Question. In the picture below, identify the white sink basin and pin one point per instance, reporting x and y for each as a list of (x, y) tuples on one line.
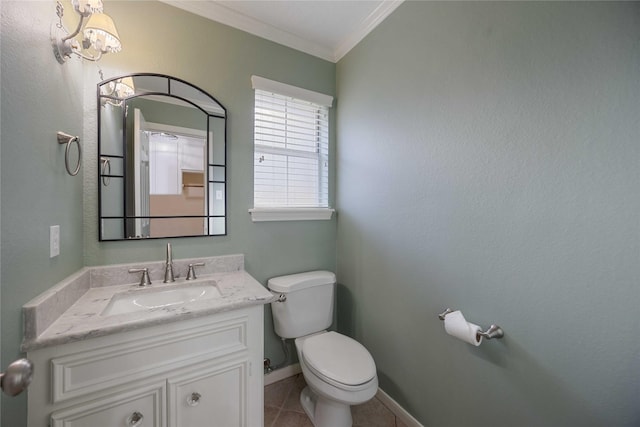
[(155, 299)]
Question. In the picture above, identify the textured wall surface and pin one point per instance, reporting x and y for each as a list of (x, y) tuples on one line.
[(40, 96), (488, 161), (220, 60)]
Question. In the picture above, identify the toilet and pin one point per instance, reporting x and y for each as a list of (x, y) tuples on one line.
[(338, 370)]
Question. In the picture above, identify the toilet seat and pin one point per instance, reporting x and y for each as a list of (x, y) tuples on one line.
[(338, 360)]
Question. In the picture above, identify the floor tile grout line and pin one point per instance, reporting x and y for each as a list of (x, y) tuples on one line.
[(292, 387), (274, 423), (284, 402), (275, 420)]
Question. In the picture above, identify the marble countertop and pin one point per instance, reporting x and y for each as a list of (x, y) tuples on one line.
[(73, 310)]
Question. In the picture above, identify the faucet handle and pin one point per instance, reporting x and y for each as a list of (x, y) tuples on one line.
[(191, 273), (144, 279)]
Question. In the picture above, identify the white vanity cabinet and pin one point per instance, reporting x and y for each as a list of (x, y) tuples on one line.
[(200, 372)]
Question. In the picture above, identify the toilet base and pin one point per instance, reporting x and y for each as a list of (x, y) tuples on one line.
[(324, 412)]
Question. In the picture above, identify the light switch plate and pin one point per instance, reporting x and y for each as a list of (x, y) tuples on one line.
[(54, 241)]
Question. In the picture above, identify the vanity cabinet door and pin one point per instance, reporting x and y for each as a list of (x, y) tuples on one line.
[(204, 372), (136, 408), (210, 396)]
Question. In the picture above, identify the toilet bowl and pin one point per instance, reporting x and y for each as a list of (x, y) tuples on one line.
[(339, 373), (338, 370)]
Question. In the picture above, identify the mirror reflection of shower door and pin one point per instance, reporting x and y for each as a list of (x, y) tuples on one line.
[(141, 171)]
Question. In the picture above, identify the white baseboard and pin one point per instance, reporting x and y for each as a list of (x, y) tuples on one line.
[(397, 410), (281, 374), (392, 405)]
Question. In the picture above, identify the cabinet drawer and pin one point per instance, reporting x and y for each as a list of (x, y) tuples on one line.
[(141, 356), (139, 407)]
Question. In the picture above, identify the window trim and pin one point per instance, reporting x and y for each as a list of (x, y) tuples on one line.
[(267, 85), (290, 214), (262, 214)]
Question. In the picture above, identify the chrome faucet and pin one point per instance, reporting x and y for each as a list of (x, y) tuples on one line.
[(168, 266)]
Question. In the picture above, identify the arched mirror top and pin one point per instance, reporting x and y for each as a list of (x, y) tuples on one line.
[(129, 86), (162, 159)]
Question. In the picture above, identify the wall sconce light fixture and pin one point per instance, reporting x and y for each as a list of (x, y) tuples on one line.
[(116, 91), (99, 34)]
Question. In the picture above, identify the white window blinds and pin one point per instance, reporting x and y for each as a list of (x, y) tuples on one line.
[(291, 146)]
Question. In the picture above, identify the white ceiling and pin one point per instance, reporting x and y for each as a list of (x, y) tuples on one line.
[(324, 28)]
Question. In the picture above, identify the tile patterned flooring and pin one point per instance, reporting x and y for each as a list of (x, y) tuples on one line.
[(282, 408)]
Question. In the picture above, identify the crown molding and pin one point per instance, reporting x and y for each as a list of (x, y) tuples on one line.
[(366, 26), (224, 15)]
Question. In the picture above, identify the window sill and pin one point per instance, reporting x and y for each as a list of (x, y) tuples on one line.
[(290, 214)]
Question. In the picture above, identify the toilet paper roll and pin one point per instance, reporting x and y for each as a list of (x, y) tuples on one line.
[(457, 326)]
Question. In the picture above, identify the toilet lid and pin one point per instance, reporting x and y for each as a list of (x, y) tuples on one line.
[(339, 358)]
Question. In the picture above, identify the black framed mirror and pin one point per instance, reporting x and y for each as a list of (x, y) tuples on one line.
[(162, 163)]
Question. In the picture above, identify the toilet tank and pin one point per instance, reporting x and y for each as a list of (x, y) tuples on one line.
[(308, 306)]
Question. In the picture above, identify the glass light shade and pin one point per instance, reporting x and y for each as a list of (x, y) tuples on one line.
[(107, 89), (125, 88), (101, 32), (87, 7)]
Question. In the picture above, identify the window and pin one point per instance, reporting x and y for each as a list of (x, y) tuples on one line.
[(291, 152)]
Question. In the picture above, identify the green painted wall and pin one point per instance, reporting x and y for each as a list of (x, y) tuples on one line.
[(168, 114), (499, 147), (40, 96), (219, 60), (501, 139)]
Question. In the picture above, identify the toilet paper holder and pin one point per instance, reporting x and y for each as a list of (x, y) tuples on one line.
[(494, 331)]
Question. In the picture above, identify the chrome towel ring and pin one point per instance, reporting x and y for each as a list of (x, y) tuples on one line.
[(105, 171), (65, 138)]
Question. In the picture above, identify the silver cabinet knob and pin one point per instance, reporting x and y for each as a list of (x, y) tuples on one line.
[(17, 377), (194, 399), (135, 419)]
